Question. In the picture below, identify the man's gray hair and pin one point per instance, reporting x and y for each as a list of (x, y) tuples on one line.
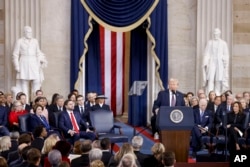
[(137, 141), (95, 154), (54, 157)]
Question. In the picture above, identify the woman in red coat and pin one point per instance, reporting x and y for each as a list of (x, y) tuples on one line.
[(15, 113)]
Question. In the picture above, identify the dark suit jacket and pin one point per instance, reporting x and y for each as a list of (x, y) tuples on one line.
[(3, 116), (51, 110), (12, 156), (88, 107), (98, 107), (240, 120), (207, 119), (106, 155), (27, 107), (163, 99), (85, 115), (65, 122), (36, 121), (81, 161), (141, 157), (38, 143)]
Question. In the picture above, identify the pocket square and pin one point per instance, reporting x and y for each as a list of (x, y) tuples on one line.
[(206, 116)]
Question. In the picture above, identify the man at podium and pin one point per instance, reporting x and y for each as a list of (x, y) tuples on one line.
[(170, 97)]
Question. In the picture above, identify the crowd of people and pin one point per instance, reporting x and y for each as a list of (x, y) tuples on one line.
[(69, 141)]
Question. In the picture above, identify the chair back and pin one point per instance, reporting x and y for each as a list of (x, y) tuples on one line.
[(246, 120), (23, 123), (56, 118), (102, 120)]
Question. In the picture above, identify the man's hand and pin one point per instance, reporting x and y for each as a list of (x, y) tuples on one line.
[(71, 132)]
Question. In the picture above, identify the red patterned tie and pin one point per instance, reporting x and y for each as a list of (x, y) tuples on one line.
[(73, 121)]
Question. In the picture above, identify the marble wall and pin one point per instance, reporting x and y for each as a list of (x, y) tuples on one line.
[(241, 46), (182, 18)]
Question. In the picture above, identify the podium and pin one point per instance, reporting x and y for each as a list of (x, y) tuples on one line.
[(175, 124)]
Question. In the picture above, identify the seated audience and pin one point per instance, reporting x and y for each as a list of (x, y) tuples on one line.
[(34, 157), (83, 160), (72, 125), (100, 103), (39, 134), (41, 101), (168, 159), (128, 160), (106, 152), (235, 126), (49, 143), (3, 162), (24, 140), (137, 143), (124, 149), (14, 114), (77, 152), (203, 123), (5, 145), (54, 157), (95, 154), (65, 148), (155, 160), (97, 163)]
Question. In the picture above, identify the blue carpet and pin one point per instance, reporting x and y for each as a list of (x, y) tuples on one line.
[(129, 131)]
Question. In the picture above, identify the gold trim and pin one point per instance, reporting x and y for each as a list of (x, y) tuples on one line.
[(119, 29), (126, 71), (155, 57), (85, 50)]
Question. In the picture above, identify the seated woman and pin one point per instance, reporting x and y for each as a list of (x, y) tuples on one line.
[(235, 125), (38, 119), (43, 102), (14, 114)]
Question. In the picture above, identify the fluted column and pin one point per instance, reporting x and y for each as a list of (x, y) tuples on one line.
[(212, 14), (19, 13), (2, 69)]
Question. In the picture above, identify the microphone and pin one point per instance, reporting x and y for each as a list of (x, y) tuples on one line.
[(173, 92)]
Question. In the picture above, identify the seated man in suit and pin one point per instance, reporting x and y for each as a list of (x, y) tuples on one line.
[(80, 107), (72, 125), (170, 97), (100, 103), (203, 123)]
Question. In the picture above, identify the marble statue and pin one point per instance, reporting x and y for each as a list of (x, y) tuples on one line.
[(28, 62), (216, 64)]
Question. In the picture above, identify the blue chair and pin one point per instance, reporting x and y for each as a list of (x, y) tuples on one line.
[(103, 122), (24, 123)]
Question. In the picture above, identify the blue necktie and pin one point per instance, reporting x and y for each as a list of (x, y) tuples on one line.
[(44, 121), (201, 115)]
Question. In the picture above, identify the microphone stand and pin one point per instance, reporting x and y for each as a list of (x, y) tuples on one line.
[(225, 127)]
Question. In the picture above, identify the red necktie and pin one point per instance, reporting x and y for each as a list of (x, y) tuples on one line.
[(73, 121)]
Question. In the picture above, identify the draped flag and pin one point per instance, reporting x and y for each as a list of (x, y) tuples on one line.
[(112, 68), (109, 50)]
